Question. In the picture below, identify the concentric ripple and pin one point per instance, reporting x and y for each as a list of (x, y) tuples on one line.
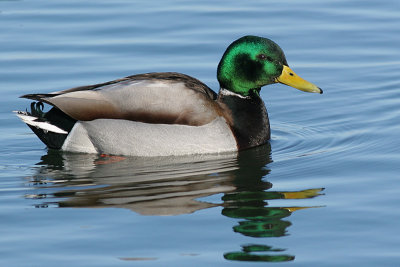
[(292, 140)]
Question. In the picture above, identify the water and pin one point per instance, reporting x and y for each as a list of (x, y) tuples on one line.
[(323, 193)]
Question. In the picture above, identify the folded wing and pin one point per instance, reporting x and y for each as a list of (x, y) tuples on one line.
[(168, 98)]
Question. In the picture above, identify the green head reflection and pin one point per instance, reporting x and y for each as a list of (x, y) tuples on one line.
[(248, 253), (249, 204)]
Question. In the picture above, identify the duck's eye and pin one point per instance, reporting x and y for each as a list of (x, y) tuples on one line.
[(264, 57)]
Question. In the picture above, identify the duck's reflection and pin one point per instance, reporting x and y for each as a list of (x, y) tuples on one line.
[(156, 186), (172, 186)]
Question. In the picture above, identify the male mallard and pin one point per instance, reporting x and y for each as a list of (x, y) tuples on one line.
[(160, 114)]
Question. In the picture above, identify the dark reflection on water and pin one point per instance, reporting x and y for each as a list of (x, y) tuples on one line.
[(173, 186)]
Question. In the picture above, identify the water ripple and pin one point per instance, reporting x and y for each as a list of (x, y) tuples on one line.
[(292, 140)]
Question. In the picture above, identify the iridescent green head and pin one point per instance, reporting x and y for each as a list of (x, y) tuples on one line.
[(252, 62)]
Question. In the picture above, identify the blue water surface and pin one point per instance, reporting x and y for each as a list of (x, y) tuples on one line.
[(324, 192)]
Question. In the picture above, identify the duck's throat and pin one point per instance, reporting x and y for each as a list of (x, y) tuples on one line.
[(249, 123)]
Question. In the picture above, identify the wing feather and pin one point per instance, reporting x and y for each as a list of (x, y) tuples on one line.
[(169, 98)]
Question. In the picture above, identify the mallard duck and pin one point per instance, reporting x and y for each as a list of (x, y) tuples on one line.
[(168, 113)]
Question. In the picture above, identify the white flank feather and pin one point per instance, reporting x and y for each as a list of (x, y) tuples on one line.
[(31, 120)]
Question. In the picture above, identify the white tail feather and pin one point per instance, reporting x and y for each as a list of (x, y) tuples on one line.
[(31, 120)]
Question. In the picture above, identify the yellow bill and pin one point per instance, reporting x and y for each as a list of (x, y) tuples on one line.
[(290, 78)]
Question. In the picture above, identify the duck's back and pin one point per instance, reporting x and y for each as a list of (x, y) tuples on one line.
[(168, 98)]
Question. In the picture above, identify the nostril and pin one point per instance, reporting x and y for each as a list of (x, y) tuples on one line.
[(291, 74)]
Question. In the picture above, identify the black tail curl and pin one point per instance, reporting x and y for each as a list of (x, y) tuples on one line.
[(55, 117)]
